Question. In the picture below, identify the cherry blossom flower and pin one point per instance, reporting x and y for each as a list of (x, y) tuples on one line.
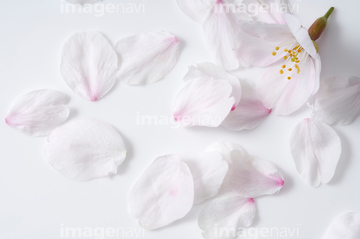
[(291, 50), (316, 149)]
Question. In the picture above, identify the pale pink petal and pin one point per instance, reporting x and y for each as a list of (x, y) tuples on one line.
[(346, 226), (147, 57), (220, 30), (204, 70), (257, 41), (224, 215), (338, 100), (316, 149), (203, 102), (268, 11), (163, 194), (89, 64), (85, 149), (247, 176), (38, 112), (286, 96), (82, 1), (208, 171), (249, 113), (197, 10)]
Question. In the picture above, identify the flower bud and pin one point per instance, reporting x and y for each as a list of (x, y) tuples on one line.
[(319, 25)]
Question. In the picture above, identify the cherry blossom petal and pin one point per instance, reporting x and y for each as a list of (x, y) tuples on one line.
[(346, 226), (257, 41), (287, 96), (38, 112), (208, 171), (268, 11), (249, 113), (220, 30), (163, 194), (85, 149), (204, 70), (203, 102), (197, 10), (89, 64), (316, 149), (247, 176), (147, 57), (338, 100), (82, 1), (226, 213)]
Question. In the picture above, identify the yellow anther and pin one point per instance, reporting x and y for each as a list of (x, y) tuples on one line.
[(281, 72), (285, 57), (289, 51), (285, 49), (296, 66), (290, 69), (277, 48), (297, 61), (274, 53), (298, 71), (283, 66), (289, 78)]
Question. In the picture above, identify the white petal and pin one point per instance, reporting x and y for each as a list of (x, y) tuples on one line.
[(82, 1), (204, 70), (163, 194), (285, 96), (197, 10), (204, 102), (338, 100), (346, 226), (316, 149), (38, 112), (249, 113), (247, 176), (147, 57), (225, 148), (268, 11), (226, 214), (208, 171), (220, 30), (85, 149), (88, 65)]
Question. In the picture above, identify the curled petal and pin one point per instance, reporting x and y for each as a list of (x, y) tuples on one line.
[(204, 102), (346, 226), (225, 215), (338, 100), (208, 171), (85, 149), (220, 30), (38, 112), (88, 65), (205, 70), (316, 149), (197, 10), (147, 57), (82, 1), (163, 194), (249, 113)]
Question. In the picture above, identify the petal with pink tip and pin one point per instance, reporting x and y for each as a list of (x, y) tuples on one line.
[(85, 149), (206, 69), (203, 102), (147, 57), (38, 112), (208, 171), (163, 194), (197, 10), (346, 226), (249, 113), (316, 149), (338, 100), (88, 65), (220, 30), (226, 214)]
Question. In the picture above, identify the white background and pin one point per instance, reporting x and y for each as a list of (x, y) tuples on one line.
[(35, 201)]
